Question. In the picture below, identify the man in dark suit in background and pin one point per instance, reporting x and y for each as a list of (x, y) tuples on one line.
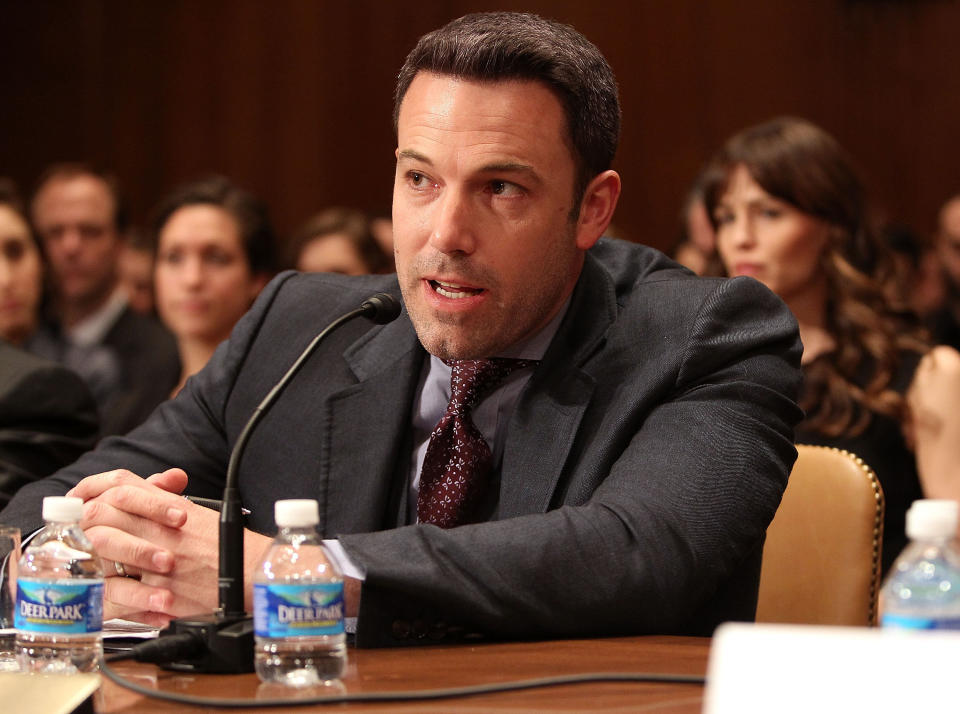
[(47, 419), (129, 361), (638, 451)]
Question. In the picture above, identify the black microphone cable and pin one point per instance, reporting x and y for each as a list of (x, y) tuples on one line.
[(412, 695)]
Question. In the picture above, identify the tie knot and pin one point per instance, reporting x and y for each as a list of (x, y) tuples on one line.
[(471, 378)]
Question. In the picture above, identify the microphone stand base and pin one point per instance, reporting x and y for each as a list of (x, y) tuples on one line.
[(227, 643)]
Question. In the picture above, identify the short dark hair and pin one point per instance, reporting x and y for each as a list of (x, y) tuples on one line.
[(10, 196), (69, 170), (249, 212), (499, 46)]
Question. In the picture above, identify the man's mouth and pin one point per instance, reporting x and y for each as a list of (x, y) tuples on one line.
[(453, 291)]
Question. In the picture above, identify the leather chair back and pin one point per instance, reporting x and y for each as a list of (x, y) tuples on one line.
[(821, 559)]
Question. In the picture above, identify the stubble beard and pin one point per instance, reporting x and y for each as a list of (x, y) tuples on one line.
[(501, 324)]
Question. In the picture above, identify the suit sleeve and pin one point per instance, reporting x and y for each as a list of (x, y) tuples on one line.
[(676, 505), (187, 432)]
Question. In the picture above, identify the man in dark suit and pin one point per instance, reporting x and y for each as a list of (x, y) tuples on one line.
[(128, 360), (47, 419), (638, 453)]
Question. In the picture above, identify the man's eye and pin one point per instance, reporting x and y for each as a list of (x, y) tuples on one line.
[(418, 180), (504, 188)]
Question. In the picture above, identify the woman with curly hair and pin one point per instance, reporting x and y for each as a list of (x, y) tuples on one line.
[(789, 210)]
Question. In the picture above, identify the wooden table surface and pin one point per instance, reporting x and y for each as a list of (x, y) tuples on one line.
[(455, 666)]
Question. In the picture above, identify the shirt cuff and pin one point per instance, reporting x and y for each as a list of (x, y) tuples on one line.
[(344, 562), (346, 566)]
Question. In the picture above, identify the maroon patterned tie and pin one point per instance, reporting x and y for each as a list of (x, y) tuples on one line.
[(458, 459)]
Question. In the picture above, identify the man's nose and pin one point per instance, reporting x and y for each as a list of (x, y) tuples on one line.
[(453, 229), (71, 241)]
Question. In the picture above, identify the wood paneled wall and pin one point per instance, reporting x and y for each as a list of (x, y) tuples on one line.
[(292, 98)]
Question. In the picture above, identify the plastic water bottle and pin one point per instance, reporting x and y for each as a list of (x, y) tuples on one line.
[(922, 590), (298, 603), (59, 615)]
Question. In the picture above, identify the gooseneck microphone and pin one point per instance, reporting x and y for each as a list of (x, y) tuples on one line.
[(381, 308), (227, 634)]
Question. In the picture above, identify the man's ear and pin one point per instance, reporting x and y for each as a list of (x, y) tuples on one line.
[(597, 207)]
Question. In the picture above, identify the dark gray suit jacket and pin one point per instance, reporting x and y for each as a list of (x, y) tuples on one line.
[(643, 463), (47, 419)]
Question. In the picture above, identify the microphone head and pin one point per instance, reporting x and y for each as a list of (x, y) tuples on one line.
[(381, 308)]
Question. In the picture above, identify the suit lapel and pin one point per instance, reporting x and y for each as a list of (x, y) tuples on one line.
[(548, 416), (366, 428)]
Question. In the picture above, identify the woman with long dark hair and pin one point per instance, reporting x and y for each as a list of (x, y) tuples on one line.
[(790, 211)]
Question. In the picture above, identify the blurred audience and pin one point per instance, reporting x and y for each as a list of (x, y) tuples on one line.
[(47, 416), (917, 284), (697, 246), (945, 320), (214, 253), (136, 272), (790, 211), (129, 361), (338, 240), (382, 228), (21, 269)]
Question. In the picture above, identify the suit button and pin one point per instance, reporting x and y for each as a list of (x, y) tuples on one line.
[(420, 628), (400, 629), (438, 631)]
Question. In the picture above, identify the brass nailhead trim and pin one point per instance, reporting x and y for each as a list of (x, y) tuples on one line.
[(877, 527)]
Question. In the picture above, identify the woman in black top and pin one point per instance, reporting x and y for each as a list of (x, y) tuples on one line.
[(789, 210)]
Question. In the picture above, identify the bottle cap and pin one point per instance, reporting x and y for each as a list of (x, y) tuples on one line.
[(296, 512), (932, 518), (62, 508)]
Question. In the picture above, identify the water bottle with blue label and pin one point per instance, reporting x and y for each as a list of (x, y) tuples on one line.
[(59, 615), (298, 603), (922, 590)]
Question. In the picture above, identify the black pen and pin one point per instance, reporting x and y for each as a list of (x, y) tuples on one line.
[(212, 503)]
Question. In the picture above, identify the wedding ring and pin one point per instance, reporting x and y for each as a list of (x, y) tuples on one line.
[(121, 570)]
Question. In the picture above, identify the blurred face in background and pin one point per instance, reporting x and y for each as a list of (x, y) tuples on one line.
[(948, 240), (203, 278), (136, 277), (332, 253), (769, 239), (21, 277), (74, 218)]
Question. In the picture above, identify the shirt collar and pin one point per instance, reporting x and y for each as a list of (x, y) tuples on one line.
[(92, 329)]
